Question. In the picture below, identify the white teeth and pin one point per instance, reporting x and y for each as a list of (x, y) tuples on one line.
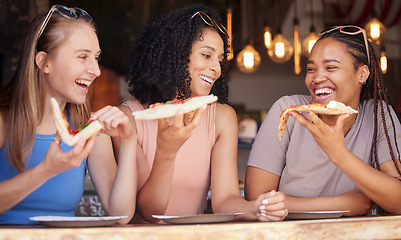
[(83, 82), (323, 90), (204, 78)]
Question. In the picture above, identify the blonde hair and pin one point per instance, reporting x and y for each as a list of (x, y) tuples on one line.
[(22, 99)]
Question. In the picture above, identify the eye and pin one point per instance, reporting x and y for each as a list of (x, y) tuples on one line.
[(207, 56), (310, 69), (331, 68), (83, 57)]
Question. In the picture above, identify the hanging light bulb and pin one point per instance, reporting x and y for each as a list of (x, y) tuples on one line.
[(297, 44), (375, 29), (383, 59), (281, 49), (268, 37), (308, 42), (248, 60), (230, 54)]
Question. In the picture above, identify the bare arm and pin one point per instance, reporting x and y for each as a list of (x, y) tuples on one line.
[(382, 187), (226, 197), (154, 194), (56, 161), (116, 185), (259, 181)]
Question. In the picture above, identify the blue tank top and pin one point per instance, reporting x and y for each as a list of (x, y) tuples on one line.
[(59, 196)]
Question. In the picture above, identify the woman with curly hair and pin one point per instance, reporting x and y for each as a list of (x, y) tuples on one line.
[(325, 162), (180, 55)]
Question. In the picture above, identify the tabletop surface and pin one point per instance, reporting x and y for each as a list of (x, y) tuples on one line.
[(379, 227)]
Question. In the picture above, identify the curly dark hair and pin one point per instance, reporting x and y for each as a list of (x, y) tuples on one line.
[(374, 87), (158, 65)]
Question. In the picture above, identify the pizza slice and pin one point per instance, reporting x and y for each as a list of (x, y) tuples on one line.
[(333, 108), (68, 135), (170, 108)]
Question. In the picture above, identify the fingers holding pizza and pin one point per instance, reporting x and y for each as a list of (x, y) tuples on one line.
[(108, 120), (330, 138), (333, 108)]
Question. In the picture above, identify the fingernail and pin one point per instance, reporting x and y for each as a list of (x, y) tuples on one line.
[(265, 201)]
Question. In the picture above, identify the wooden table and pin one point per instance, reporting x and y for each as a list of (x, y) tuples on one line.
[(384, 227)]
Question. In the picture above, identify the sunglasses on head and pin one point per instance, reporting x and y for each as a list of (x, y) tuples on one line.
[(208, 20), (351, 30), (70, 13)]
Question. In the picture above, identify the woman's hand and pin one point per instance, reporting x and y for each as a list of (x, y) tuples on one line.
[(115, 122), (271, 206), (329, 138), (56, 161)]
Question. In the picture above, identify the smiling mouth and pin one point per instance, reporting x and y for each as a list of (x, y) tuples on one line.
[(323, 91), (206, 79), (83, 83)]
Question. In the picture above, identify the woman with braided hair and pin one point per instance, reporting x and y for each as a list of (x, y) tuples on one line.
[(325, 162)]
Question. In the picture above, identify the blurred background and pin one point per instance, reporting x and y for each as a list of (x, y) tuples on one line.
[(252, 89)]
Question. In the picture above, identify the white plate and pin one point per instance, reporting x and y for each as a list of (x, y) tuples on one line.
[(315, 215), (55, 221), (200, 218)]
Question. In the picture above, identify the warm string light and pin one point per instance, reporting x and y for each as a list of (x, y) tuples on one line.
[(248, 60), (375, 30), (230, 54), (268, 37), (297, 45), (383, 60)]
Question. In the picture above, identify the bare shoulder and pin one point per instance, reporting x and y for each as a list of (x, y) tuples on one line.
[(226, 117)]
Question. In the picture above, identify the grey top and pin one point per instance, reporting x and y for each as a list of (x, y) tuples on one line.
[(305, 169)]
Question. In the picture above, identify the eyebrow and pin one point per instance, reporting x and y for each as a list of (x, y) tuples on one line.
[(324, 61), (87, 50), (211, 48)]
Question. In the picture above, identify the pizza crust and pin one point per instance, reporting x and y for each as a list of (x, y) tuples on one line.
[(62, 126), (333, 108), (170, 110)]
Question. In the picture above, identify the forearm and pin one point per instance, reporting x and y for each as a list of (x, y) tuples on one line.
[(15, 189), (383, 189), (122, 200), (332, 203), (236, 204), (154, 195)]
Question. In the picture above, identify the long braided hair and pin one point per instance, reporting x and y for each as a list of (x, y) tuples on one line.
[(374, 88)]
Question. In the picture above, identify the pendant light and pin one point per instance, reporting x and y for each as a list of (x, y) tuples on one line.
[(248, 60), (230, 54), (375, 29), (297, 44), (311, 39), (281, 49), (383, 59), (267, 36)]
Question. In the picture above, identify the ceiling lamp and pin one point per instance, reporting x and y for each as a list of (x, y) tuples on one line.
[(375, 29), (297, 44), (310, 40), (268, 37), (281, 49), (383, 59), (248, 60), (230, 54)]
